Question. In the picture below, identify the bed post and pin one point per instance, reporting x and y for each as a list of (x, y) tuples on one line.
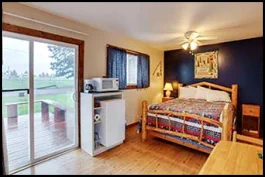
[(234, 95), (144, 117), (179, 85), (225, 127), (227, 124)]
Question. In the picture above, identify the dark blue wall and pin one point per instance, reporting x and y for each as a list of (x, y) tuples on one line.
[(240, 62)]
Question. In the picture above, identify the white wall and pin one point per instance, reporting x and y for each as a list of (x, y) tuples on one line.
[(95, 51)]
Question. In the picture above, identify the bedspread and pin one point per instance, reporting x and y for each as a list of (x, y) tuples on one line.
[(211, 110)]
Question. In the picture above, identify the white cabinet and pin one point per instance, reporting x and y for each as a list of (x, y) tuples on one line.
[(108, 131)]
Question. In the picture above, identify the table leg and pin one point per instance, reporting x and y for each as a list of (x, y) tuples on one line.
[(12, 115), (44, 111), (59, 114), (59, 119)]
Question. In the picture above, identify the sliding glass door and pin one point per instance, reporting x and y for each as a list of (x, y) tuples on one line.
[(15, 100), (39, 85), (54, 97)]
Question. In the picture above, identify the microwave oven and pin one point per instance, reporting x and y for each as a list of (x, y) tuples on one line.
[(106, 84)]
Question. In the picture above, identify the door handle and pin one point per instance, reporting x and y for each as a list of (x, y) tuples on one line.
[(74, 96)]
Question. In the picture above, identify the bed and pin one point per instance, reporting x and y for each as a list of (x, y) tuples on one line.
[(196, 123)]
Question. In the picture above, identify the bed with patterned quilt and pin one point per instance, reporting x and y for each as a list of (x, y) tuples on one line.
[(196, 123)]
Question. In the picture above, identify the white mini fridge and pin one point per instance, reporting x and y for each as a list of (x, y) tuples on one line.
[(112, 115)]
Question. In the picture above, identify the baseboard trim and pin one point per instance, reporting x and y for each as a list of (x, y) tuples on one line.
[(132, 124)]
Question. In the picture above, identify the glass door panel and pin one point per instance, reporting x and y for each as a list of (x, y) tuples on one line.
[(15, 101), (54, 108)]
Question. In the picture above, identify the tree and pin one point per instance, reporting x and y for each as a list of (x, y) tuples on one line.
[(13, 74), (64, 61), (25, 74), (6, 74)]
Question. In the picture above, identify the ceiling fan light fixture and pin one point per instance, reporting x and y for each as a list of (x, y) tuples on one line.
[(185, 46), (193, 45)]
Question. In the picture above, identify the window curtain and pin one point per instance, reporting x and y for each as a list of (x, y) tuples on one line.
[(117, 63), (143, 77)]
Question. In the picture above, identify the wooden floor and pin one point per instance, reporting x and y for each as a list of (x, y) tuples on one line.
[(50, 136), (132, 157)]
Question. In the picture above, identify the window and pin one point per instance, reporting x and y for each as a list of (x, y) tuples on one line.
[(131, 70), (130, 67)]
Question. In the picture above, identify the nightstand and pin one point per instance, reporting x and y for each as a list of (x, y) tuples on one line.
[(251, 120), (167, 98)]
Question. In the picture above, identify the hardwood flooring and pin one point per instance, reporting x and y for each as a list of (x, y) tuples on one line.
[(132, 157)]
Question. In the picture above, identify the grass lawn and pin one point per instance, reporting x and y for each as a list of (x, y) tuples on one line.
[(63, 99), (39, 82)]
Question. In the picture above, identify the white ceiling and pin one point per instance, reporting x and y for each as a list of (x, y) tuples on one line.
[(163, 24)]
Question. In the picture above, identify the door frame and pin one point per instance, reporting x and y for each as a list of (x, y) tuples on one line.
[(79, 64)]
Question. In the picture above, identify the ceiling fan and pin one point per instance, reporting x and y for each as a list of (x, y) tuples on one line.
[(192, 39)]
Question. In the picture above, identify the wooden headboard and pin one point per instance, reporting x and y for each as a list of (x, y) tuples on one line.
[(233, 90)]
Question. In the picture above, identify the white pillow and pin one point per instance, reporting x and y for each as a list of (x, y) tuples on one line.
[(216, 95), (191, 87), (201, 93), (187, 92)]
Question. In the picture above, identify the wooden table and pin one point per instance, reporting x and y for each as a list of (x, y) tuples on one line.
[(164, 99), (233, 158)]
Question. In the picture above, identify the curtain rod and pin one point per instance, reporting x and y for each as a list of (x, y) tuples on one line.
[(128, 50), (44, 23)]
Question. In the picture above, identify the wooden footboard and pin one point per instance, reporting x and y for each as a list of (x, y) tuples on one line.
[(226, 126)]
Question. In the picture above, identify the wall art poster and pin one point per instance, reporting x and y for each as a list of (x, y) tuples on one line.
[(206, 65)]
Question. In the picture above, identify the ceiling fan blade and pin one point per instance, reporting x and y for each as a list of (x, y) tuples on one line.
[(182, 42), (206, 38), (194, 35), (198, 42)]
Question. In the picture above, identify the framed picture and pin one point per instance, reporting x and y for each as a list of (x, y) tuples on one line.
[(206, 65)]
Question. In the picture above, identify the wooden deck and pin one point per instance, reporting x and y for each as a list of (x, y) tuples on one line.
[(50, 136)]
